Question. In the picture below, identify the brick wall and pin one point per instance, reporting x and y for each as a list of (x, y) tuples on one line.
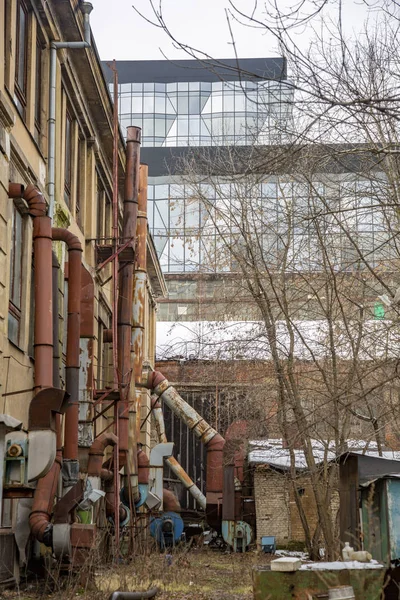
[(272, 505), (276, 510), (309, 507)]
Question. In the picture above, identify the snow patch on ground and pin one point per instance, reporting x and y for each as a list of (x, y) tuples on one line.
[(338, 565), (292, 554)]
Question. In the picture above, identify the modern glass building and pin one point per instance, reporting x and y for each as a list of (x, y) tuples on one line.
[(225, 106), (184, 104), (188, 103)]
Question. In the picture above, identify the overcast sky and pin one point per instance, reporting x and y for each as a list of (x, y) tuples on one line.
[(121, 33)]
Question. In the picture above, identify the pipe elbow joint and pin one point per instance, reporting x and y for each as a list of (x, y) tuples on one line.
[(154, 379), (32, 195), (70, 239), (41, 528), (96, 453)]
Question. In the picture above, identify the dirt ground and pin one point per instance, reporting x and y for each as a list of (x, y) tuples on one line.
[(199, 574)]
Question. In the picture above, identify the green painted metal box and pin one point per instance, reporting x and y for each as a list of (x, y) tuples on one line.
[(310, 584)]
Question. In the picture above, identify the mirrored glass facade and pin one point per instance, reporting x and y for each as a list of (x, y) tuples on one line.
[(294, 223), (207, 113)]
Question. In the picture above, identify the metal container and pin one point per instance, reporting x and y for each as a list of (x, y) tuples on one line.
[(344, 592)]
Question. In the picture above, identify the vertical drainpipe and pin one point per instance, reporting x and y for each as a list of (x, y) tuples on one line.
[(86, 9), (139, 298), (128, 456)]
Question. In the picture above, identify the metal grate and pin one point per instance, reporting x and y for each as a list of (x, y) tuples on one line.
[(7, 555)]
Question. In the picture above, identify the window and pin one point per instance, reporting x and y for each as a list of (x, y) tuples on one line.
[(14, 309), (100, 210), (21, 58), (38, 90), (80, 168), (7, 40), (68, 158), (31, 335)]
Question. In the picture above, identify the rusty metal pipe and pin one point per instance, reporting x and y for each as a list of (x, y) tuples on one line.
[(139, 295), (43, 258), (73, 335), (56, 345), (134, 595), (39, 519), (96, 453), (42, 507), (170, 501), (143, 467), (111, 504), (125, 302), (213, 441)]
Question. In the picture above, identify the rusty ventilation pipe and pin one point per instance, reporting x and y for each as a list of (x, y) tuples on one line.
[(96, 472), (71, 464), (139, 296), (173, 464), (127, 428), (44, 424), (213, 441)]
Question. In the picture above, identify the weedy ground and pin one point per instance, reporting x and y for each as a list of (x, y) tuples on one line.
[(201, 574)]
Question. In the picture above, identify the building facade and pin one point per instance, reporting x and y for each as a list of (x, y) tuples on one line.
[(82, 191), (185, 105)]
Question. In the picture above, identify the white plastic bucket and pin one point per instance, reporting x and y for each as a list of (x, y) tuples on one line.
[(344, 592)]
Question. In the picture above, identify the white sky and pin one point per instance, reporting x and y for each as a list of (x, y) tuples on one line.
[(121, 33)]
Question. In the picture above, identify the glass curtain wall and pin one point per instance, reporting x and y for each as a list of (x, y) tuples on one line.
[(292, 222), (206, 113)]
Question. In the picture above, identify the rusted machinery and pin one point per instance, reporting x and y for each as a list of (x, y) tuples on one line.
[(227, 511)]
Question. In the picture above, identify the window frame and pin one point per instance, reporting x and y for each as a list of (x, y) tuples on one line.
[(38, 90), (21, 93), (68, 155), (13, 310)]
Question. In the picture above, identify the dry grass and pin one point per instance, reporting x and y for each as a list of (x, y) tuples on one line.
[(201, 574)]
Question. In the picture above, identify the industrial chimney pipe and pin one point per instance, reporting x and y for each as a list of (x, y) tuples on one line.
[(128, 451)]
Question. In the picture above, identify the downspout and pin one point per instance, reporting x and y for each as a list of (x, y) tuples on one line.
[(213, 441), (171, 461), (86, 9), (127, 431), (71, 465)]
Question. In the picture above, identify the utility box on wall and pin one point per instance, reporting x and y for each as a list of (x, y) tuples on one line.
[(16, 457)]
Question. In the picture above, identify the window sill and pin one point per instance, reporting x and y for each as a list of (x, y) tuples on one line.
[(14, 345)]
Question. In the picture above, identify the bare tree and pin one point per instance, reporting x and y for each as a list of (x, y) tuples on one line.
[(310, 226)]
